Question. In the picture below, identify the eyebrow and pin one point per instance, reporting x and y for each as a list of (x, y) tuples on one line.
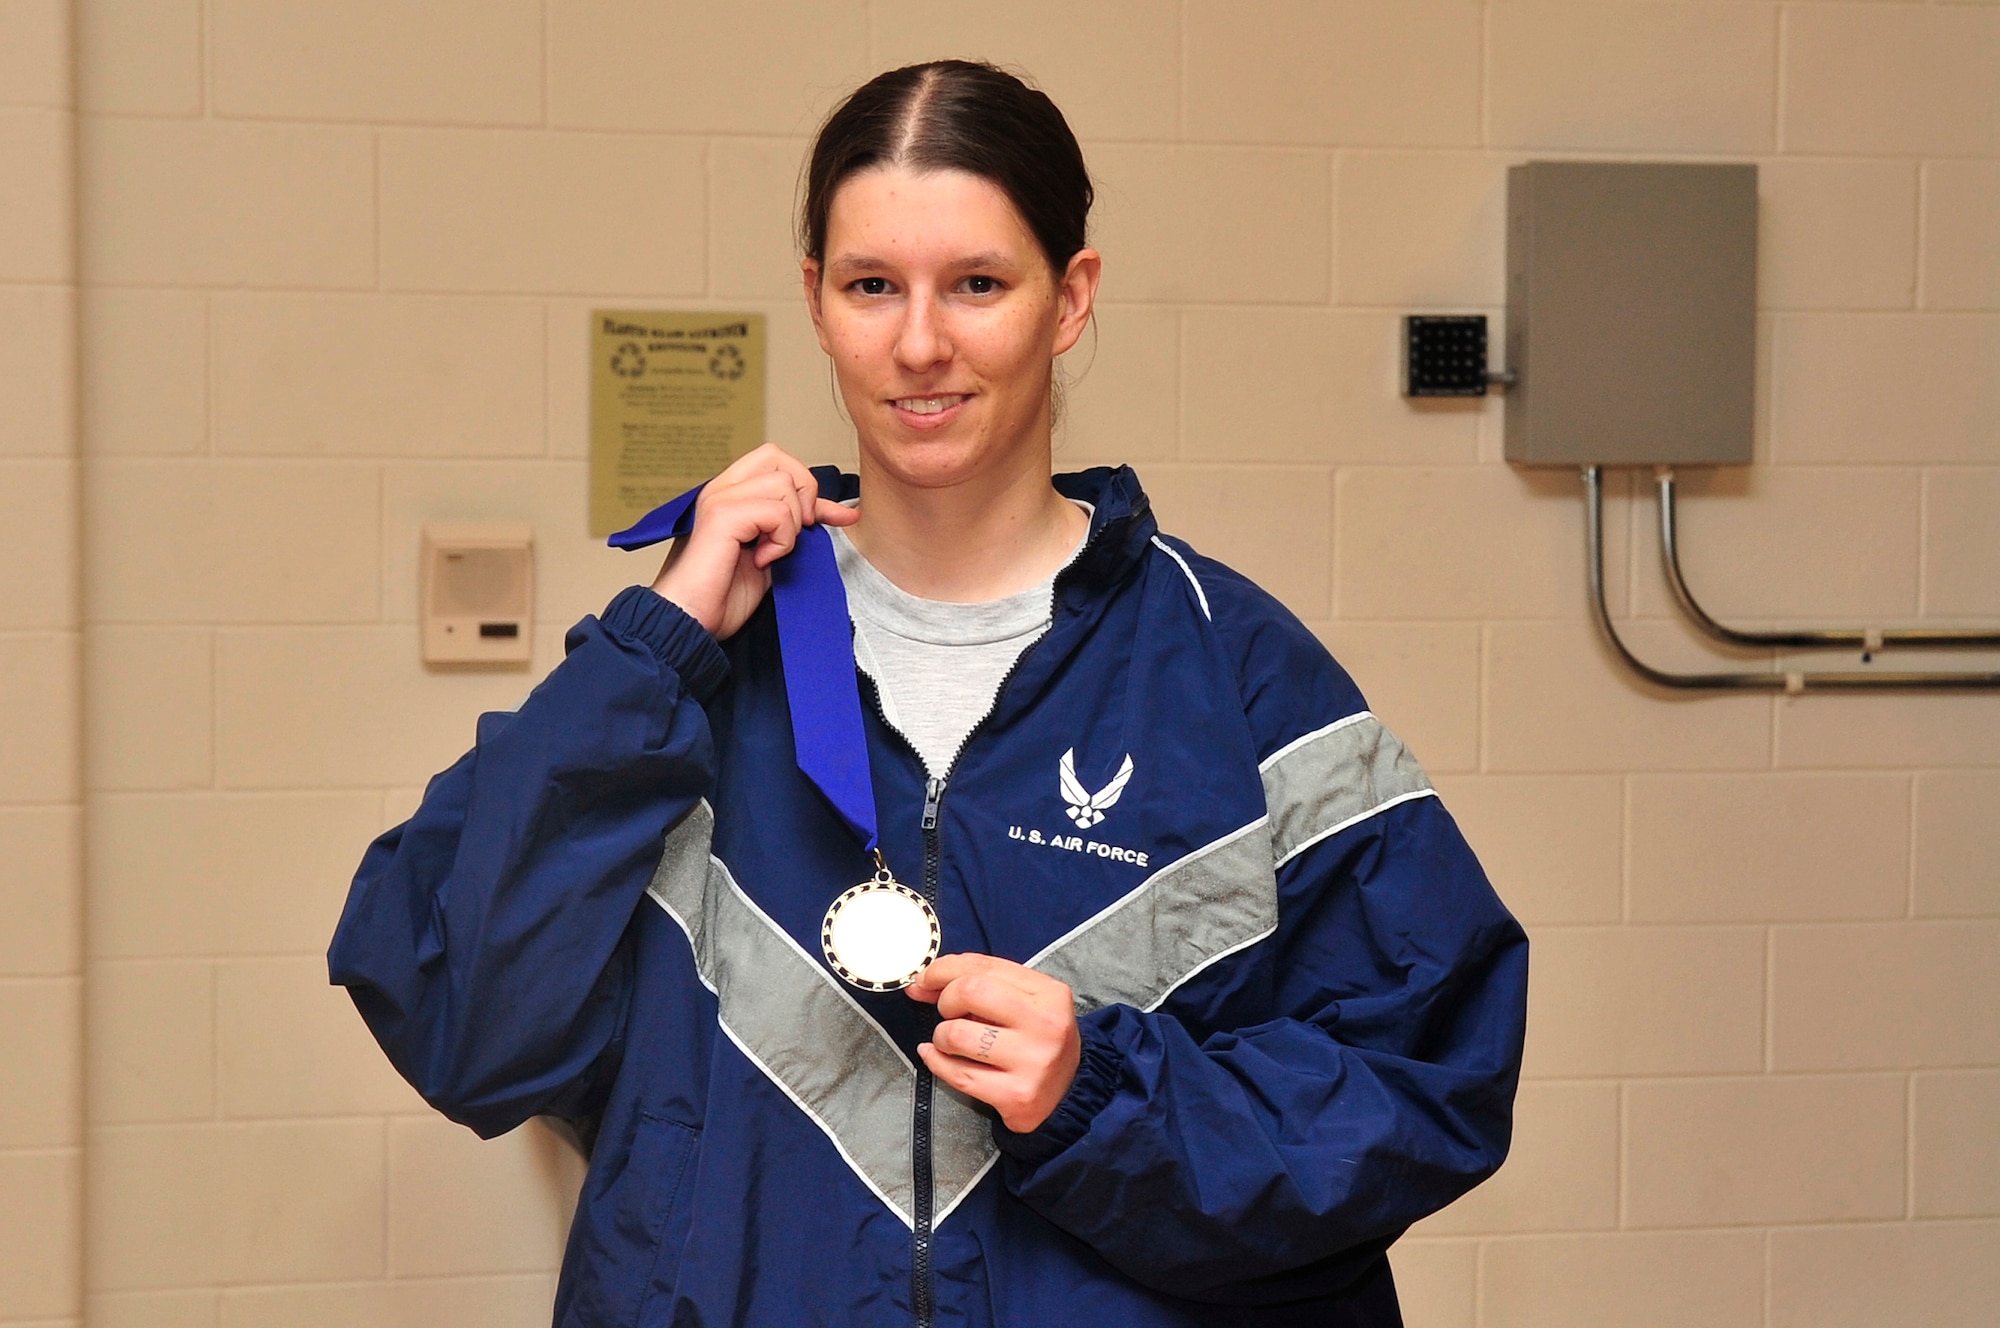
[(991, 259), (852, 263)]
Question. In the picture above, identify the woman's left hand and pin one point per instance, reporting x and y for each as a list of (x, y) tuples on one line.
[(1009, 1036)]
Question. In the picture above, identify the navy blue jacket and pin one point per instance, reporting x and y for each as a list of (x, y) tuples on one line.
[(1301, 1003)]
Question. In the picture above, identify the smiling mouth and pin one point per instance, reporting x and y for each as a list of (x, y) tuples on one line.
[(927, 405)]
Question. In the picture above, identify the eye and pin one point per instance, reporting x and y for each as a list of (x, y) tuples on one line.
[(981, 285), (871, 286)]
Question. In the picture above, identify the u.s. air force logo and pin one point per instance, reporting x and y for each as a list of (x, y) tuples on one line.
[(1086, 809)]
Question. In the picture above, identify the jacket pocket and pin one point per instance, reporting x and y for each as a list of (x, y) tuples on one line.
[(632, 1212), (661, 1154)]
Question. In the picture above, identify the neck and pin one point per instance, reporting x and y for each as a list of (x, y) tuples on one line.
[(980, 539)]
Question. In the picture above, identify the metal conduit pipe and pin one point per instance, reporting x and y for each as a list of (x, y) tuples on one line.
[(1802, 638), (1792, 682)]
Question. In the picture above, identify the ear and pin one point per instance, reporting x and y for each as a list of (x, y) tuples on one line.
[(1076, 295), (809, 273)]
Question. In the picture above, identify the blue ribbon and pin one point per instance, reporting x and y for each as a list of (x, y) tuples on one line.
[(816, 645)]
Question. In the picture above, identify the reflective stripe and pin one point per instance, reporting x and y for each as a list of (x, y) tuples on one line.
[(1320, 784), (790, 1016), (801, 1028), (962, 1147), (1184, 917), (1223, 897), (812, 1039)]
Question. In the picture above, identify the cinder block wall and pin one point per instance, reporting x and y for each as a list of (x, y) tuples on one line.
[(41, 865), (336, 262)]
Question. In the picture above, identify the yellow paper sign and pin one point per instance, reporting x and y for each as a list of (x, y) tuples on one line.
[(674, 398)]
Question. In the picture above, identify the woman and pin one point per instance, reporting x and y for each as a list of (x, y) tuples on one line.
[(1225, 1002)]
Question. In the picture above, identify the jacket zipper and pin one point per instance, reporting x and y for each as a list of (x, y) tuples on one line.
[(922, 1285), (923, 1293), (923, 1289)]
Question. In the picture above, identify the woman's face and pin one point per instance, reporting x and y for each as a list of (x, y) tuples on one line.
[(943, 320)]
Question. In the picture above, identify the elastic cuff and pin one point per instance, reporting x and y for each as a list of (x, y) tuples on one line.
[(1090, 1092), (640, 614)]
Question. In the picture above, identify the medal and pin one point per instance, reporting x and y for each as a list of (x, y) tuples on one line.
[(880, 934)]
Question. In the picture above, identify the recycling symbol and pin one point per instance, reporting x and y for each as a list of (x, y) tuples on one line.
[(727, 362), (628, 361)]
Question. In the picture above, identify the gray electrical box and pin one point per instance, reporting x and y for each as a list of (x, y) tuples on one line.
[(1631, 313)]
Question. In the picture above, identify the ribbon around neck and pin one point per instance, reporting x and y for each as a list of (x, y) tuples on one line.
[(816, 647)]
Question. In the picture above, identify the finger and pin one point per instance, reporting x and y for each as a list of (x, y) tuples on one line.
[(770, 485), (750, 519), (996, 1001), (949, 969), (770, 459), (946, 969), (800, 501), (973, 1040), (985, 1082), (765, 471), (1021, 1104), (774, 545), (796, 512), (765, 457), (806, 484), (800, 472)]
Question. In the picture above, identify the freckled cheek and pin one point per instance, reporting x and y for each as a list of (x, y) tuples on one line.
[(854, 351)]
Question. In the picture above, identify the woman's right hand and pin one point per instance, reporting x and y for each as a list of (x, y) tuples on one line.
[(747, 518)]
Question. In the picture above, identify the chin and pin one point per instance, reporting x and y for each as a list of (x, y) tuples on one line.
[(928, 462), (948, 457), (933, 471)]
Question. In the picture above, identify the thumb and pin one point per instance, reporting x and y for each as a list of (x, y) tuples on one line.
[(830, 513)]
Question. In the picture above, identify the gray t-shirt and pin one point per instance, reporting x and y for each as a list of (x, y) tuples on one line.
[(938, 666)]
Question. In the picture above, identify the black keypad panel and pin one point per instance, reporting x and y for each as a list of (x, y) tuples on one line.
[(1444, 355)]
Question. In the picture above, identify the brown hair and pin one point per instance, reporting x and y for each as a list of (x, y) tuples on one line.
[(961, 116)]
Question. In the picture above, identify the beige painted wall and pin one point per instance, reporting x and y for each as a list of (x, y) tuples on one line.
[(41, 864), (336, 261)]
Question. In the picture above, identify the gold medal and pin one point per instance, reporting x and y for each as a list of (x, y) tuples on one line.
[(880, 934)]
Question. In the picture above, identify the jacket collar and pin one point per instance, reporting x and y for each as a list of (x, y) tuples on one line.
[(1121, 522), (1121, 519)]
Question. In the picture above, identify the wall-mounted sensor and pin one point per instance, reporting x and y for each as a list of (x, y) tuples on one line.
[(478, 590), (1444, 355)]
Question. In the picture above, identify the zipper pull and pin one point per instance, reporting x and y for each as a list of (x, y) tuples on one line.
[(933, 794)]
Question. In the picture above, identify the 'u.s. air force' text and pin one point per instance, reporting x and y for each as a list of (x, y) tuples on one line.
[(1078, 844)]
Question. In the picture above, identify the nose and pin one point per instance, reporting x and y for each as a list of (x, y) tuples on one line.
[(921, 341)]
